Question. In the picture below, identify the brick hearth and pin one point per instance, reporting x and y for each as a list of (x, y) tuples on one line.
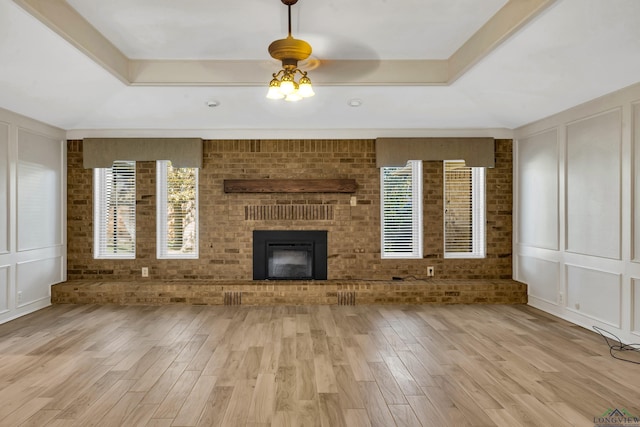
[(344, 292)]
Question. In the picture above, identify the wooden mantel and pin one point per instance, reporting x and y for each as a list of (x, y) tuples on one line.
[(290, 185)]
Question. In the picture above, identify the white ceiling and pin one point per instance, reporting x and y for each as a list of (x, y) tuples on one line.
[(170, 29), (570, 52)]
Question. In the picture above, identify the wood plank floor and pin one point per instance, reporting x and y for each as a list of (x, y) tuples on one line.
[(463, 365)]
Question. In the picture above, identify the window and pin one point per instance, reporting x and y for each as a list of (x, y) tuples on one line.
[(115, 211), (177, 202), (464, 211), (401, 210)]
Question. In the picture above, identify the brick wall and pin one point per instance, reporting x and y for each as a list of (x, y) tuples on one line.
[(228, 220)]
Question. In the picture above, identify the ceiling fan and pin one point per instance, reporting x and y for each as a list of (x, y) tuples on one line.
[(289, 51)]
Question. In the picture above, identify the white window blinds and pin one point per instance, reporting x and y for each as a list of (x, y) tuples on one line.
[(115, 211), (464, 211), (177, 215), (401, 210)]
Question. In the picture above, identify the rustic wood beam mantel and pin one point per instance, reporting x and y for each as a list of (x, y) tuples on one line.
[(290, 185)]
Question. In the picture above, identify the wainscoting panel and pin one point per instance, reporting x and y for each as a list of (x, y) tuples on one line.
[(40, 205), (593, 186), (635, 308), (594, 293), (31, 275), (599, 211), (4, 188), (636, 180), (538, 190), (33, 169), (4, 288), (542, 276)]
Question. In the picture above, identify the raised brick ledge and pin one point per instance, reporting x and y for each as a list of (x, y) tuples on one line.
[(272, 292)]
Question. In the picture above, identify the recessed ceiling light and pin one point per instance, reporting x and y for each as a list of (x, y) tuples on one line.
[(213, 103), (354, 102)]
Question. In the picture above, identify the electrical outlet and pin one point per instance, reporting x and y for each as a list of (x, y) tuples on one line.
[(353, 201), (431, 271), (19, 296), (145, 271), (561, 298)]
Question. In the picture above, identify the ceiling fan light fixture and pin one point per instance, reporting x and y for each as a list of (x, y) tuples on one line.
[(287, 84), (293, 97), (289, 51), (274, 89), (305, 89)]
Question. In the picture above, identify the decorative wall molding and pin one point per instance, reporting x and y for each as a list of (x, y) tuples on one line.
[(33, 201)]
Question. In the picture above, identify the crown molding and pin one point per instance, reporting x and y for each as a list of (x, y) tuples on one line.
[(69, 24), (325, 134)]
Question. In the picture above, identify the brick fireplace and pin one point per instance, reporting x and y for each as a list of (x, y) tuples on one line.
[(289, 255), (227, 220)]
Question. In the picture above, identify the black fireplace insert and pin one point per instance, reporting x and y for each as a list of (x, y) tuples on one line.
[(289, 255)]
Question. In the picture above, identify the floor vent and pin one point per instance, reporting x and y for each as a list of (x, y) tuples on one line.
[(233, 298), (346, 298)]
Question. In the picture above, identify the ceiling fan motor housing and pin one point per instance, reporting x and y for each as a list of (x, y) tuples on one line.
[(290, 50)]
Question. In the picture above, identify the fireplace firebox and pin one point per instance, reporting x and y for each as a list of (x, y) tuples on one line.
[(289, 255)]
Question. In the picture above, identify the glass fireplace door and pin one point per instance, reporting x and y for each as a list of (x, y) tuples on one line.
[(290, 260)]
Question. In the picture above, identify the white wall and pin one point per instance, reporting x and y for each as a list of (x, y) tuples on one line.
[(32, 214), (577, 213)]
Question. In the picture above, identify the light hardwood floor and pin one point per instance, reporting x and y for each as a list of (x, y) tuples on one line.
[(459, 365)]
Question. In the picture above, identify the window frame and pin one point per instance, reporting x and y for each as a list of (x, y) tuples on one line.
[(100, 216), (478, 213), (417, 231), (162, 249)]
